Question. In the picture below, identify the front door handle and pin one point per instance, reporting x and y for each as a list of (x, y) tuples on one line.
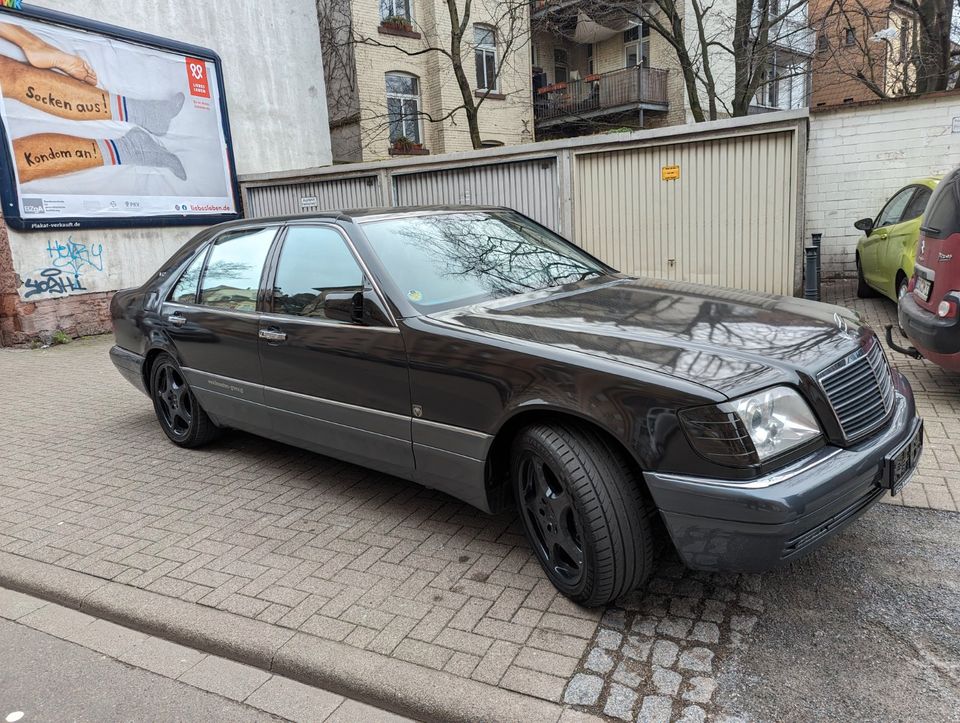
[(177, 319), (274, 335)]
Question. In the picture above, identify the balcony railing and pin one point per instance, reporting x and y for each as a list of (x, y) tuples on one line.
[(619, 90)]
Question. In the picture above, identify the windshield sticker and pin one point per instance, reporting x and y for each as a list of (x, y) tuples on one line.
[(415, 295)]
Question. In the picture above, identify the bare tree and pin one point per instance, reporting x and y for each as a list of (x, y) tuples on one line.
[(709, 37), (890, 49), (446, 40)]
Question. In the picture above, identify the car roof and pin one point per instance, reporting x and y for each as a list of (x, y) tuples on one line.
[(357, 214)]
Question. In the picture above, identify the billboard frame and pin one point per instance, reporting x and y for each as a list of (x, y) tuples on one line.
[(9, 196)]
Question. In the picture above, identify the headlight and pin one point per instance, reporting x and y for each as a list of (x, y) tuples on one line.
[(750, 430)]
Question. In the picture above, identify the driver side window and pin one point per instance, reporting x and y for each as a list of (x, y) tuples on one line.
[(314, 263), (893, 211)]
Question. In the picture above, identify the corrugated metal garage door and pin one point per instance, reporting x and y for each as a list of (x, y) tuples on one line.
[(730, 219), (530, 187), (276, 200)]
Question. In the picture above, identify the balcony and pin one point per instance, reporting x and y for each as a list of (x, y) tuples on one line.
[(605, 94)]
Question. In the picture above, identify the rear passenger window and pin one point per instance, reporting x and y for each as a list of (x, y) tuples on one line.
[(918, 204), (185, 292), (942, 218), (232, 277), (314, 262)]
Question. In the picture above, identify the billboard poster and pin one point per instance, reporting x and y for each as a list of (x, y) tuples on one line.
[(105, 127)]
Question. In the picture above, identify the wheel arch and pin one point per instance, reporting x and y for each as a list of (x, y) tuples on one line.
[(498, 453), (150, 358)]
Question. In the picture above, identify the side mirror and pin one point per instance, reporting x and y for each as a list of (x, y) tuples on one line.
[(344, 306), (864, 224)]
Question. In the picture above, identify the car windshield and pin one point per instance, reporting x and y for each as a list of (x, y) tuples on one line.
[(444, 260)]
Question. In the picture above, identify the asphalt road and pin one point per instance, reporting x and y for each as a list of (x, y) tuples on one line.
[(48, 679), (868, 628)]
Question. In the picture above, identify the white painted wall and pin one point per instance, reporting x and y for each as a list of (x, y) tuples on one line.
[(860, 155), (273, 82)]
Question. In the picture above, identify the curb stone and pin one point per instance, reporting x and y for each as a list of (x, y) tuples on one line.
[(395, 685)]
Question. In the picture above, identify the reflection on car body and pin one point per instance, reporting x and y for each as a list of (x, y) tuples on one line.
[(476, 352)]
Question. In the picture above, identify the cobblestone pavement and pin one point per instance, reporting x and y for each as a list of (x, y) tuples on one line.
[(937, 484), (88, 482)]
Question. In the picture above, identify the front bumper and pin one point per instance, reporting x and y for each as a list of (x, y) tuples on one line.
[(767, 522), (927, 331), (130, 366)]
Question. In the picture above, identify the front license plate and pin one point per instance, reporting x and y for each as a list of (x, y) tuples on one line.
[(901, 463), (922, 289)]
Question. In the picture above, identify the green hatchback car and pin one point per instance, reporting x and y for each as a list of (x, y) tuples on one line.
[(886, 253)]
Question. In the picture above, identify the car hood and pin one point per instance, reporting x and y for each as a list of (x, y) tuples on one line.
[(728, 340)]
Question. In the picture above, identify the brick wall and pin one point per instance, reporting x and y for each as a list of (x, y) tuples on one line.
[(23, 321), (859, 155), (838, 66)]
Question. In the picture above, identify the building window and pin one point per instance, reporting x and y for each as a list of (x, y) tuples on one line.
[(823, 42), (560, 74), (904, 40), (398, 11), (403, 107), (850, 37), (486, 56), (636, 46), (590, 59)]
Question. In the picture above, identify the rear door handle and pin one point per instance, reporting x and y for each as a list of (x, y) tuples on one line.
[(177, 319), (272, 335)]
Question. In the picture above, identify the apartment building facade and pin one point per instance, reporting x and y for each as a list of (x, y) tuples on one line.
[(601, 66), (864, 50), (392, 87)]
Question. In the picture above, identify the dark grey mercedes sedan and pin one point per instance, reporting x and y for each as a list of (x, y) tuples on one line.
[(473, 351)]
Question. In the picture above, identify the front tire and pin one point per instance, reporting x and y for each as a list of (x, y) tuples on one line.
[(583, 511), (180, 415)]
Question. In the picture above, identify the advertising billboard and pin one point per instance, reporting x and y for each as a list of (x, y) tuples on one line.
[(105, 127)]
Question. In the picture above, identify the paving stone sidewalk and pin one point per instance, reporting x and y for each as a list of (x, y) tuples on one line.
[(193, 671), (89, 483)]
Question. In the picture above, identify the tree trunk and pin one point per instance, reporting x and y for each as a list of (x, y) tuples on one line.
[(933, 61), (470, 107)]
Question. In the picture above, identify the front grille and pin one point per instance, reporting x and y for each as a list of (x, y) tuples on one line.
[(860, 391)]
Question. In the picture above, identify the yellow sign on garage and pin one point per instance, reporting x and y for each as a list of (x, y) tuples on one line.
[(670, 173)]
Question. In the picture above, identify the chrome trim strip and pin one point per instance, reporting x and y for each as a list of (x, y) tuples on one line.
[(758, 484), (290, 319), (251, 315), (452, 428), (335, 403)]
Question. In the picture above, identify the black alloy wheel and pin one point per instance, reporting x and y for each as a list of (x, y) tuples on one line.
[(584, 509), (550, 517), (180, 415)]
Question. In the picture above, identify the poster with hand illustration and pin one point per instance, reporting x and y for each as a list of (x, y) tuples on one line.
[(99, 127)]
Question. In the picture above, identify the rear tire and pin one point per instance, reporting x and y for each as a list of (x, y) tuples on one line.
[(178, 411), (583, 510), (902, 284), (864, 290)]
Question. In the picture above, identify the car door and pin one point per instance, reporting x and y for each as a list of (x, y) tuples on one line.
[(899, 251), (334, 363), (212, 321), (873, 249)]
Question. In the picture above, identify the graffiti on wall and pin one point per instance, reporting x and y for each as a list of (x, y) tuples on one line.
[(67, 263)]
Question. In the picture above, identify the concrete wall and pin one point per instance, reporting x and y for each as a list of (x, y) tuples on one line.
[(860, 155), (273, 82)]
